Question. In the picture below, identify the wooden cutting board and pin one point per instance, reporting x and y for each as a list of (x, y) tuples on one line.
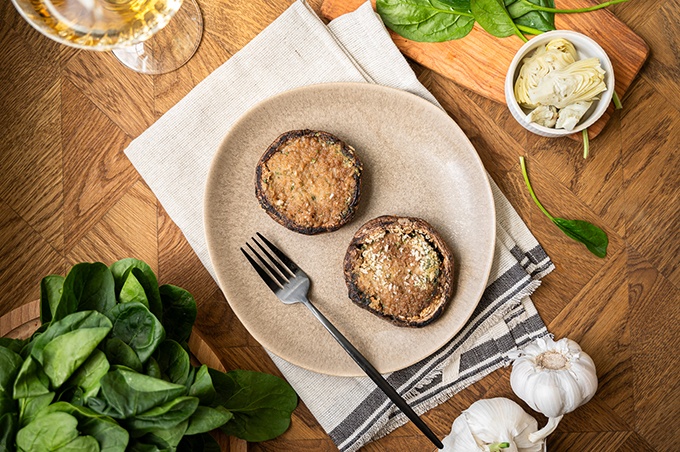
[(24, 320), (480, 61)]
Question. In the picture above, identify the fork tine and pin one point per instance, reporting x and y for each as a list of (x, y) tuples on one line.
[(282, 268), (280, 278), (263, 274), (285, 259)]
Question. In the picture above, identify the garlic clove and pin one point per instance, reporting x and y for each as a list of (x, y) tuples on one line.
[(572, 394), (547, 395), (489, 423), (461, 437)]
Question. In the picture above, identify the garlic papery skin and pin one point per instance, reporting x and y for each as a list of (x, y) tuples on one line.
[(553, 378), (492, 425)]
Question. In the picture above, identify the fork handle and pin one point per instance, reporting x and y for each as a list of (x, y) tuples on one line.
[(373, 373)]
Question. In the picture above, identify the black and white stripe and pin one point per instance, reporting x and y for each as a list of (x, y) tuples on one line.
[(502, 299)]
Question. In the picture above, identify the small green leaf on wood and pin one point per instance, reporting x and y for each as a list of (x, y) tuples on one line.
[(594, 238)]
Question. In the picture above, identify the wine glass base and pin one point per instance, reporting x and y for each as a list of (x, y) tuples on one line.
[(171, 47)]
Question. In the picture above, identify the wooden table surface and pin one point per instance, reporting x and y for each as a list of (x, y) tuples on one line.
[(68, 194)]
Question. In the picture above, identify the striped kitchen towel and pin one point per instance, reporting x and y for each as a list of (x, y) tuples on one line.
[(174, 155)]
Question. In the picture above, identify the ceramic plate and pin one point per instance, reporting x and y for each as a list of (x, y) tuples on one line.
[(417, 162)]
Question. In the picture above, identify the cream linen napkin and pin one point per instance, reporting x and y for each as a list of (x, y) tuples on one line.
[(174, 155)]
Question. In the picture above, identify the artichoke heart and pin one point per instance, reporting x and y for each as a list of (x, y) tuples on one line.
[(557, 54), (543, 115), (558, 87), (580, 81), (570, 115), (562, 46)]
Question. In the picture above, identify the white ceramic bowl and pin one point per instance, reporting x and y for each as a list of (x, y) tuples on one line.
[(585, 48)]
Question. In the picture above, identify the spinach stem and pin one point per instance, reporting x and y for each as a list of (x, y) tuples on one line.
[(521, 36), (571, 11), (518, 32), (529, 30), (531, 190), (586, 143), (617, 101)]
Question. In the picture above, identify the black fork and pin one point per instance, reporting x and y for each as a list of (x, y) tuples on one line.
[(291, 285)]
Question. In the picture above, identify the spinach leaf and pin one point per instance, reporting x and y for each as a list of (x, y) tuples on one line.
[(89, 373), (199, 443), (427, 20), (206, 418), (137, 327), (179, 312), (99, 405), (132, 290), (174, 362), (167, 438), (130, 393), (31, 380), (14, 345), (7, 405), (81, 444), (164, 416), (48, 432), (120, 353), (72, 322), (28, 345), (10, 363), (86, 287), (29, 407), (65, 353), (153, 369), (525, 15), (261, 403), (139, 446), (51, 288), (110, 436), (145, 276), (494, 18), (202, 386), (9, 424), (594, 238)]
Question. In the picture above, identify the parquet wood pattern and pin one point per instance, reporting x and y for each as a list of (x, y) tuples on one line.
[(69, 194)]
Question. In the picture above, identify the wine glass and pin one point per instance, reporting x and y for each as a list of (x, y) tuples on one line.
[(139, 32)]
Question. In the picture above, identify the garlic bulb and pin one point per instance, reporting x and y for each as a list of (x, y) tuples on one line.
[(493, 425), (553, 378)]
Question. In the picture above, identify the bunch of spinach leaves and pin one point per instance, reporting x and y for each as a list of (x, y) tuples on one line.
[(444, 20), (109, 370)]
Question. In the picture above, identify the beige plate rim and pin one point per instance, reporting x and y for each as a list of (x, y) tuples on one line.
[(226, 275)]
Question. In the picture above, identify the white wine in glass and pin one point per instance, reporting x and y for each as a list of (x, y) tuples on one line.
[(140, 32)]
